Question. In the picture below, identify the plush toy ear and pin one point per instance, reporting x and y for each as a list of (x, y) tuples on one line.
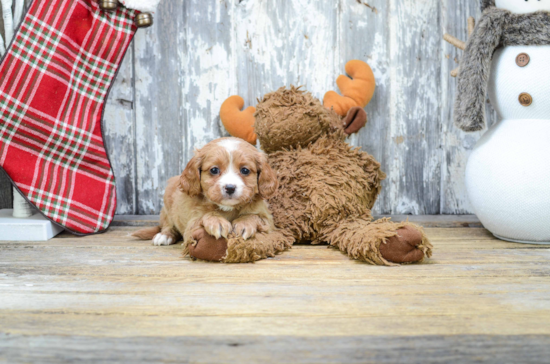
[(357, 90), (355, 120), (239, 124)]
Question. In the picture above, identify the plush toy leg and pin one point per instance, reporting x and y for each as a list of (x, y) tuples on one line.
[(235, 249), (380, 242)]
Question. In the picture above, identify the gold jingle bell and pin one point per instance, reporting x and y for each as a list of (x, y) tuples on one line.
[(144, 20), (108, 5)]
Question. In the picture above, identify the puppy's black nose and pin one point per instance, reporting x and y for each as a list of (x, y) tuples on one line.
[(230, 189)]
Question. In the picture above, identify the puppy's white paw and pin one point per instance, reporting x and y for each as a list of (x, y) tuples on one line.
[(217, 227), (162, 239), (245, 229)]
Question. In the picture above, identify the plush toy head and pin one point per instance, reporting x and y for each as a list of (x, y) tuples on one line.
[(291, 117), (518, 6)]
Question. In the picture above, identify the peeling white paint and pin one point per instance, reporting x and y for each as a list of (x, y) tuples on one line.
[(221, 47)]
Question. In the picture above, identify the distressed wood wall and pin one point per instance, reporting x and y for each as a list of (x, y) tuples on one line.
[(177, 74)]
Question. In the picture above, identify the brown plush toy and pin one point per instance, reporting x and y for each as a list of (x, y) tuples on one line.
[(326, 187)]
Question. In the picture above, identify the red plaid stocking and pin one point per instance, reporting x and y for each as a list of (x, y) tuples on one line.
[(53, 83)]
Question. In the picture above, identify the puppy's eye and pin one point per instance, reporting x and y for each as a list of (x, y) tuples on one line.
[(214, 171), (245, 171)]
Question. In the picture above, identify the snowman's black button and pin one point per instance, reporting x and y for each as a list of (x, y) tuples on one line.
[(525, 99), (523, 59)]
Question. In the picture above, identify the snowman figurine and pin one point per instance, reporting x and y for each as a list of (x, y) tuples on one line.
[(507, 58)]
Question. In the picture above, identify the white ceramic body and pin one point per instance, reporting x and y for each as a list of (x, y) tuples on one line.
[(508, 173), (523, 6)]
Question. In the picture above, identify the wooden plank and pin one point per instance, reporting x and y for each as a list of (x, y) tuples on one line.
[(125, 241), (210, 70), (428, 221), (414, 173), (364, 33), (112, 291), (285, 42), (169, 266), (160, 105), (136, 220), (438, 221), (275, 349), (123, 324), (118, 132)]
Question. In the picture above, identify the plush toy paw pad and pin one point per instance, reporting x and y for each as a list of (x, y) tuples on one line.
[(402, 248), (208, 247)]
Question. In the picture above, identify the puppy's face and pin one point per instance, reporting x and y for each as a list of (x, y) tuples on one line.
[(229, 172)]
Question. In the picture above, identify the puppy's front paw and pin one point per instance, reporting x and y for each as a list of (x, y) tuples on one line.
[(163, 239), (217, 226), (246, 229)]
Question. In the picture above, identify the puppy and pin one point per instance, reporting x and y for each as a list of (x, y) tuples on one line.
[(222, 191)]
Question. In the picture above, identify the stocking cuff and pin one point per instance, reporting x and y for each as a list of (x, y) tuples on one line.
[(148, 6)]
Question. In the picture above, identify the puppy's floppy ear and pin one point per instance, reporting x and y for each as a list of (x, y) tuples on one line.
[(190, 180), (267, 178)]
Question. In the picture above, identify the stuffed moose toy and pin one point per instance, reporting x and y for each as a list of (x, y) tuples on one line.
[(326, 187)]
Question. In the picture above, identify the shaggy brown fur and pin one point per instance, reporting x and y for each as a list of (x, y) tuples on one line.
[(326, 187), (291, 118), (322, 183), (235, 249)]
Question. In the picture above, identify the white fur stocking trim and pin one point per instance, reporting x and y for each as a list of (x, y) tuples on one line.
[(148, 6)]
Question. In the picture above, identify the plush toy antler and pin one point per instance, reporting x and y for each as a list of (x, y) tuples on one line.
[(357, 91), (458, 43), (238, 123)]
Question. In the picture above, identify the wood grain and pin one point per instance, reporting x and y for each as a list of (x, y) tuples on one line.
[(209, 71), (285, 42), (357, 19), (160, 116), (532, 349), (429, 221), (167, 96), (118, 125), (112, 298)]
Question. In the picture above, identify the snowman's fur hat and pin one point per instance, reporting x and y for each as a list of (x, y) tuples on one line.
[(496, 28), (486, 3)]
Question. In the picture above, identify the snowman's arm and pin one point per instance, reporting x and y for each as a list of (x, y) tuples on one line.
[(475, 68)]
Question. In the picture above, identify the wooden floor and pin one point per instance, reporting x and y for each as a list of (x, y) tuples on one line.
[(109, 298)]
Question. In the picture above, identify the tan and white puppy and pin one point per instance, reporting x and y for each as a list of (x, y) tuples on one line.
[(222, 190)]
